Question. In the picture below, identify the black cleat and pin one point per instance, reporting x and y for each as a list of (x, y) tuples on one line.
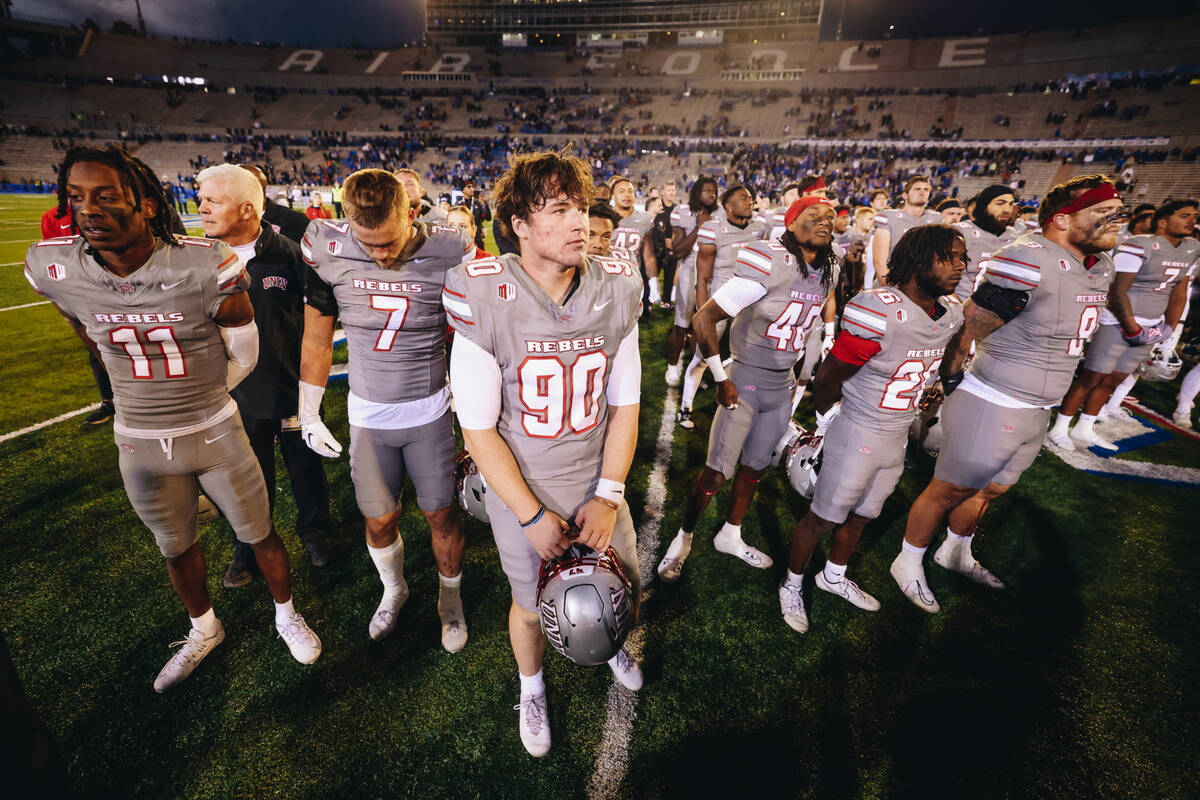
[(102, 414)]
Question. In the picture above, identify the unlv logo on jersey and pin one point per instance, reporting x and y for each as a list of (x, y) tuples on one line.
[(335, 248), (56, 271), (901, 315), (506, 292), (1063, 265)]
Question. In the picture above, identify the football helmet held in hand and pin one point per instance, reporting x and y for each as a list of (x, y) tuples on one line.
[(585, 604)]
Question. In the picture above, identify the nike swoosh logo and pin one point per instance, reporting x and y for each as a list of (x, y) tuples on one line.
[(169, 286), (598, 307), (222, 436)]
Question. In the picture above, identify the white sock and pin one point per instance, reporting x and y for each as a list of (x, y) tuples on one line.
[(1061, 425), (449, 584), (389, 561), (797, 395), (283, 612), (206, 623), (961, 545), (794, 579), (731, 531), (691, 380), (1084, 426), (912, 548), (911, 556), (532, 684), (1188, 390), (681, 545), (1121, 392), (955, 540), (834, 572), (654, 293)]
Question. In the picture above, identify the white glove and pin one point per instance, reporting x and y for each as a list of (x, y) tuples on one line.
[(827, 340), (312, 429), (823, 420)]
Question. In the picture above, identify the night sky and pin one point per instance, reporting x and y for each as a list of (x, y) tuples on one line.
[(387, 23)]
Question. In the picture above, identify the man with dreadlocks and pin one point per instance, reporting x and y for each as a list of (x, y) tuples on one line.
[(891, 344), (170, 319), (775, 294)]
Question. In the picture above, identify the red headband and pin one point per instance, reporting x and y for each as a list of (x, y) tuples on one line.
[(797, 208), (1105, 191), (818, 186), (845, 212)]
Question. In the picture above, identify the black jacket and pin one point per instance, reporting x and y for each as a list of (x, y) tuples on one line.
[(291, 224), (270, 391)]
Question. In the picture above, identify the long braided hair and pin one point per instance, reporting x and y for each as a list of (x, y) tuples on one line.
[(134, 173), (824, 263)]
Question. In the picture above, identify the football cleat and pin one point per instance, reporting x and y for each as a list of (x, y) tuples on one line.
[(1118, 414), (847, 590), (671, 566), (102, 414), (684, 419), (961, 561), (803, 462), (791, 603), (1088, 438), (383, 621), (304, 645), (585, 604), (627, 671), (454, 623), (1061, 441), (1183, 418), (914, 586), (674, 375), (472, 488), (733, 545), (192, 651), (534, 724)]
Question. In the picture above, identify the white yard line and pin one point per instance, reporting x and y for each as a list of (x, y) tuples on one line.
[(27, 305), (612, 759), (49, 422)]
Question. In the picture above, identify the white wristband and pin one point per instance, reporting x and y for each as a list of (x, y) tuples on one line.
[(829, 329), (610, 490), (310, 402), (716, 368)]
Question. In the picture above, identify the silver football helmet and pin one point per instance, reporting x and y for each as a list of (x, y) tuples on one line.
[(1163, 365), (472, 488), (585, 604), (793, 432), (804, 461)]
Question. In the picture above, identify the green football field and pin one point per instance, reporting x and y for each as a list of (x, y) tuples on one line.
[(1077, 681)]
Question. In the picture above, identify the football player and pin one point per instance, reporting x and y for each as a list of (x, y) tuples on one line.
[(602, 221), (633, 235), (155, 309), (1145, 304), (952, 211), (1037, 306), (891, 223), (685, 229), (774, 294), (718, 244), (890, 347), (986, 231), (427, 212), (381, 272), (548, 408)]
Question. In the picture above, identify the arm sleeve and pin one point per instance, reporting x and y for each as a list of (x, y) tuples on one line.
[(625, 382), (241, 350), (476, 372), (737, 293)]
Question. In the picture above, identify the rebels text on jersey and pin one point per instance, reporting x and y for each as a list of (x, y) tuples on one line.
[(1033, 357), (154, 328), (555, 360), (882, 396), (394, 322), (771, 333)]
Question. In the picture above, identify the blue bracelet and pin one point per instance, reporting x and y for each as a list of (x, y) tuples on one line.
[(541, 510)]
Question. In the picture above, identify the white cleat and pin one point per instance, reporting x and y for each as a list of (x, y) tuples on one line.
[(1118, 414), (534, 724), (454, 623), (734, 546), (848, 590), (791, 603), (1183, 419), (956, 560), (383, 621), (671, 566), (300, 639), (1087, 439), (674, 375), (914, 586), (192, 651), (1061, 440), (626, 671)]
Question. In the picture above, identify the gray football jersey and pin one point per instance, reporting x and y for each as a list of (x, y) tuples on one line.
[(1160, 267), (394, 322), (772, 332), (154, 328), (897, 222), (554, 360), (882, 396), (729, 239), (632, 231), (980, 246), (684, 219), (1032, 358)]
